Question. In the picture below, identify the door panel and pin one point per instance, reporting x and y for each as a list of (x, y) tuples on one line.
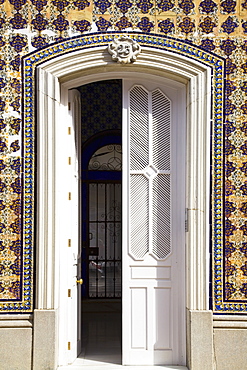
[(162, 318), (153, 223), (74, 243), (139, 318)]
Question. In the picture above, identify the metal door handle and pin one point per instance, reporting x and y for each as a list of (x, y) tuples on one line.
[(79, 281)]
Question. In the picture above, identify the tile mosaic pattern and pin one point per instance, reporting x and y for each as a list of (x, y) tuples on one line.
[(101, 107), (216, 64), (214, 26)]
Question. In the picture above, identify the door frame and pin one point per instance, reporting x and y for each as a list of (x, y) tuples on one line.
[(55, 78)]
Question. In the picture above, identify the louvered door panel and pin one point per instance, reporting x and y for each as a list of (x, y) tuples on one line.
[(161, 233), (139, 128), (139, 215), (150, 153), (161, 126)]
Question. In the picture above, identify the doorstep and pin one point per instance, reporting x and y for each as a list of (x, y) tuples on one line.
[(83, 364)]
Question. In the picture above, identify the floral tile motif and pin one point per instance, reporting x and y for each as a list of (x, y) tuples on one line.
[(211, 26), (96, 113), (173, 45)]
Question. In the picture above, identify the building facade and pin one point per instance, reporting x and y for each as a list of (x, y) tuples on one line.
[(180, 70)]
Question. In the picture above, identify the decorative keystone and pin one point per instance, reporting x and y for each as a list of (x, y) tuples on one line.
[(124, 50)]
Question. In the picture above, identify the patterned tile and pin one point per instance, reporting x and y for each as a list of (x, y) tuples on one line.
[(215, 63), (97, 112), (196, 28)]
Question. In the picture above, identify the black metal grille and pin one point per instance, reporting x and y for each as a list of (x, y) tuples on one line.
[(104, 240)]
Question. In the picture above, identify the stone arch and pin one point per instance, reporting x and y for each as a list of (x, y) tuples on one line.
[(61, 67)]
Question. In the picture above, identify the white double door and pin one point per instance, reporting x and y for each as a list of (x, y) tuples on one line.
[(153, 225)]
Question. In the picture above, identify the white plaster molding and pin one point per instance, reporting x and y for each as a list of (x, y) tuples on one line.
[(229, 318), (28, 317), (198, 189), (47, 108), (16, 321), (15, 324), (226, 321), (95, 64), (230, 324), (198, 105), (84, 63)]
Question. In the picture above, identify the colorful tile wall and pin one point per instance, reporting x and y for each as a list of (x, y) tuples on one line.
[(216, 26), (101, 108)]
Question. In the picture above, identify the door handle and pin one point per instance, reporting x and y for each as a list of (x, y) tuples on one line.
[(79, 281)]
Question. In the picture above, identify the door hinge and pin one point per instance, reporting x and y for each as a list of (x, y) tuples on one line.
[(69, 293), (69, 242), (69, 346), (186, 220), (69, 196), (69, 106), (69, 160), (69, 130)]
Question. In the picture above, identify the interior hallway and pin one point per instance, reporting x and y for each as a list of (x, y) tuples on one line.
[(101, 333)]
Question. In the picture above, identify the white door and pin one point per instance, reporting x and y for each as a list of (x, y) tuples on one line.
[(153, 223), (74, 241), (153, 226)]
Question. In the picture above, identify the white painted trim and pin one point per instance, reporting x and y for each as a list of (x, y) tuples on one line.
[(47, 109), (81, 67)]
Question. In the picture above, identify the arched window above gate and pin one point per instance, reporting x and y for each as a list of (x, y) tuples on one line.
[(107, 158)]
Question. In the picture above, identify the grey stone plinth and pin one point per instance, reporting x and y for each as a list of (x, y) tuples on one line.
[(15, 348), (230, 348), (200, 340), (44, 340)]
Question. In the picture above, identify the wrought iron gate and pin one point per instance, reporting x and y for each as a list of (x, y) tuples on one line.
[(104, 249), (102, 197)]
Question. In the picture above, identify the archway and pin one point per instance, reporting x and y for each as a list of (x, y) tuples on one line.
[(160, 63)]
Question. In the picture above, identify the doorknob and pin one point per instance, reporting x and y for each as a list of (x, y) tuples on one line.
[(80, 281)]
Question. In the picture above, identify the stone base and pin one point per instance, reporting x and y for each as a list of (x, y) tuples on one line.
[(230, 341), (213, 342), (200, 340), (15, 342), (45, 340)]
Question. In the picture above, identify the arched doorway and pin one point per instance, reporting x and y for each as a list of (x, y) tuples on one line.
[(193, 158)]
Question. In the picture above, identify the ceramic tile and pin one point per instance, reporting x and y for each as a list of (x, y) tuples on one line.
[(209, 31)]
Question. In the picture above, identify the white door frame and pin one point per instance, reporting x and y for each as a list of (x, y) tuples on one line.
[(55, 77)]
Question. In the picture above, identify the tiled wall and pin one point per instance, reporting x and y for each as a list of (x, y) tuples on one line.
[(219, 27), (101, 108)]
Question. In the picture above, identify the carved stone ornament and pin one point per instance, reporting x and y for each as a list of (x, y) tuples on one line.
[(124, 49)]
